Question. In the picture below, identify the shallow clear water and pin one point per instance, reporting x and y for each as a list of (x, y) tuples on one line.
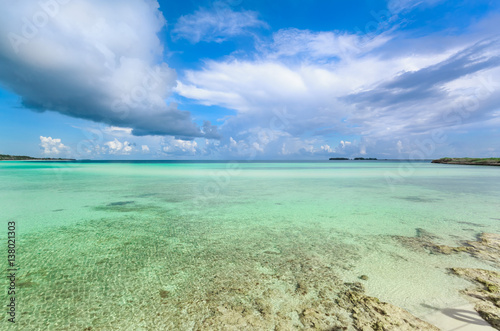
[(196, 245)]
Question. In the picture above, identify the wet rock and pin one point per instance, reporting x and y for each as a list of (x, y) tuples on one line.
[(487, 248), (313, 319), (447, 250), (263, 307), (319, 318), (369, 313), (301, 288), (486, 295), (357, 287)]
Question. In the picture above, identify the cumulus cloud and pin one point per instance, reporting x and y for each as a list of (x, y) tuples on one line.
[(310, 90), (345, 144), (173, 146), (420, 100), (216, 24), (145, 148), (327, 149), (118, 147), (333, 84), (96, 60), (52, 146)]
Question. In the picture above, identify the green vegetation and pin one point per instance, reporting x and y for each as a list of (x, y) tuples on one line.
[(356, 159), (4, 157), (493, 161)]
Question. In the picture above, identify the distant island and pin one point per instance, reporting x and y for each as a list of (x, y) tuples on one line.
[(469, 161), (4, 157), (356, 159)]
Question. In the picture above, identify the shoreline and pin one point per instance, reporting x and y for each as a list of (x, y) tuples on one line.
[(469, 161), (41, 160), (484, 292), (7, 157)]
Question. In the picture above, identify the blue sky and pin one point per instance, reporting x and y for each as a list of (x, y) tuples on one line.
[(249, 80)]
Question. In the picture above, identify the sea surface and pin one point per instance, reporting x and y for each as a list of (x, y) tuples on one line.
[(201, 245)]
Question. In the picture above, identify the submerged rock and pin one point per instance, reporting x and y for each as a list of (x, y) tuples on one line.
[(424, 234), (119, 203), (486, 248), (348, 310)]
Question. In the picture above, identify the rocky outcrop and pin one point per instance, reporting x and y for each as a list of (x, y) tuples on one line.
[(485, 295), (469, 161), (351, 310), (369, 313), (486, 248)]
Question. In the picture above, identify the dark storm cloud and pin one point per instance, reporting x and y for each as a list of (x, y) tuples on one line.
[(83, 64)]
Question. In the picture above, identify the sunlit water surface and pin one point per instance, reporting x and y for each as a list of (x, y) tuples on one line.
[(185, 246)]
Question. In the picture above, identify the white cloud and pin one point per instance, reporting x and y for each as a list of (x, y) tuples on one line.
[(145, 148), (91, 59), (345, 144), (362, 150), (397, 6), (232, 142), (327, 149), (172, 146), (307, 44), (117, 131), (399, 146), (307, 88), (114, 145), (217, 24), (52, 146), (333, 84), (117, 147), (383, 89)]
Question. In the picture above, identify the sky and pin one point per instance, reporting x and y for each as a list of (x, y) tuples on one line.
[(250, 79)]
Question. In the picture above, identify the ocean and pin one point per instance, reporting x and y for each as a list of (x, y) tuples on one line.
[(201, 245)]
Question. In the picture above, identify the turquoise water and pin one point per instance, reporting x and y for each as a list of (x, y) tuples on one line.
[(185, 246)]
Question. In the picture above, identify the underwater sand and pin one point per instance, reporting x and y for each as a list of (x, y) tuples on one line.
[(181, 246)]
